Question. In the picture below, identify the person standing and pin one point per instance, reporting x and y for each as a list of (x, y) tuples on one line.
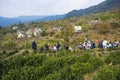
[(55, 48), (46, 47), (104, 43), (80, 46), (41, 49), (100, 45), (58, 46), (67, 47), (34, 45)]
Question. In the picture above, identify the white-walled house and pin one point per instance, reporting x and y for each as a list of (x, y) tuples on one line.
[(33, 32), (37, 31), (20, 34), (29, 33), (15, 27), (93, 23), (77, 28)]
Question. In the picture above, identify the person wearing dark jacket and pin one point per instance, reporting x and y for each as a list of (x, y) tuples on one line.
[(34, 45), (67, 47), (100, 45), (58, 46), (46, 47)]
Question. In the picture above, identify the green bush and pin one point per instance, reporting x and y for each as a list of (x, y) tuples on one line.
[(1, 69), (9, 44), (64, 65), (108, 73), (114, 57), (43, 33), (27, 45)]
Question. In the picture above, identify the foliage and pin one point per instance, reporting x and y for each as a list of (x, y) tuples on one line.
[(115, 25), (27, 45), (113, 58), (43, 33), (103, 27), (66, 33), (85, 28), (9, 44), (19, 62), (31, 66), (108, 73)]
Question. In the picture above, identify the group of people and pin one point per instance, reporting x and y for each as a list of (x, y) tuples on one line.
[(106, 44), (86, 45), (103, 44), (55, 47)]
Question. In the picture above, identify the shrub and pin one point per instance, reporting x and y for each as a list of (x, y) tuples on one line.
[(103, 27), (108, 73), (1, 69), (43, 33), (64, 65), (27, 45), (114, 57), (9, 44)]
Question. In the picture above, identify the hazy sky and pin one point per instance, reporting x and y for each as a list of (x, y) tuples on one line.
[(12, 8)]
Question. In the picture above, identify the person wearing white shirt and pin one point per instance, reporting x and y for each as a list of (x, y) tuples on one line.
[(104, 43)]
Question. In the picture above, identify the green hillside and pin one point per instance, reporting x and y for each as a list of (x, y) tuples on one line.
[(19, 62), (64, 65), (102, 7)]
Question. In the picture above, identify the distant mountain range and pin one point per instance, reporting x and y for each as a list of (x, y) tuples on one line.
[(26, 19), (102, 7)]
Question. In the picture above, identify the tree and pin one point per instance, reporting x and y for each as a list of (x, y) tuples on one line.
[(22, 25), (66, 33), (85, 28), (115, 25), (9, 44), (103, 27), (43, 33)]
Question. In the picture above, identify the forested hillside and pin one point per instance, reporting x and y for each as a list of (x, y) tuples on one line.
[(18, 61), (102, 7), (107, 5)]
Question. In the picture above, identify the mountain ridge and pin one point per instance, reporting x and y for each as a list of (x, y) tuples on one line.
[(26, 19), (102, 7)]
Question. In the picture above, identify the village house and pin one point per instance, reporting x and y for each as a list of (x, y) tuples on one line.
[(37, 31), (77, 29), (93, 23), (29, 33), (33, 32), (20, 34), (15, 27)]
